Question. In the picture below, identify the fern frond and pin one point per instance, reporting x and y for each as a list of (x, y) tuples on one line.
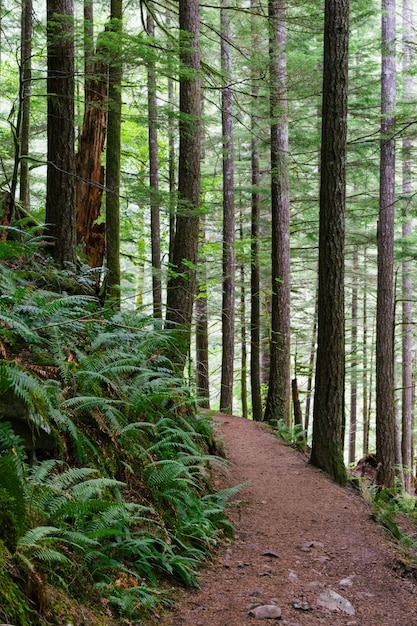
[(14, 323)]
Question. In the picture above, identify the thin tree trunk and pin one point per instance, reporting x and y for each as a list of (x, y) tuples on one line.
[(26, 79), (298, 415), (385, 436), (255, 321), (171, 154), (202, 343), (279, 385), (354, 359), (113, 162), (229, 257), (397, 427), (244, 358), (154, 180), (365, 379), (311, 368), (406, 269)]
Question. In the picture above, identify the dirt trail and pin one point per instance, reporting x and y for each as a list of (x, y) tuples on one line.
[(298, 536)]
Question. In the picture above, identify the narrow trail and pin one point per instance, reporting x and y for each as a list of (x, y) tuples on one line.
[(299, 538)]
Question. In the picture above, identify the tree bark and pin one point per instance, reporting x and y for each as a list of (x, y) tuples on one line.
[(354, 359), (154, 180), (255, 321), (279, 386), (243, 333), (113, 161), (90, 171), (202, 343), (229, 256), (182, 282), (366, 394), (406, 269), (60, 192), (26, 88), (385, 427), (328, 413)]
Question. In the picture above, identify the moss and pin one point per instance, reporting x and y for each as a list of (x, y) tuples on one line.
[(8, 524), (14, 608)]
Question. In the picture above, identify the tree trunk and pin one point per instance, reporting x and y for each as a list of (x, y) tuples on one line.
[(182, 282), (327, 445), (354, 359), (26, 87), (229, 257), (365, 393), (90, 171), (406, 269), (255, 321), (298, 415), (279, 386), (311, 368), (171, 155), (113, 162), (385, 435), (60, 192), (154, 180), (202, 344), (243, 334)]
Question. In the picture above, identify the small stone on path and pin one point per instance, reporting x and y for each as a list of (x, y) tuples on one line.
[(335, 602), (266, 611)]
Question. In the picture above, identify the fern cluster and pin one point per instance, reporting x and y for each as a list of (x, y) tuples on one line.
[(104, 462)]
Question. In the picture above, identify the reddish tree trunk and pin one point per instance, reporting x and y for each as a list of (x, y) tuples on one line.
[(90, 172)]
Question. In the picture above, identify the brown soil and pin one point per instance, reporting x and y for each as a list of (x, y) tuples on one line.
[(297, 535)]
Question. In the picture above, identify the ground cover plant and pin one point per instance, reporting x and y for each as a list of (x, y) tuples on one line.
[(105, 481)]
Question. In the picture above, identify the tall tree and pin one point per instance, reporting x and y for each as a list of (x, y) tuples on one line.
[(91, 141), (406, 270), (115, 70), (154, 179), (366, 379), (181, 286), (328, 412), (60, 193), (201, 339), (26, 87), (385, 425), (279, 386), (255, 309), (229, 254), (354, 358), (243, 332)]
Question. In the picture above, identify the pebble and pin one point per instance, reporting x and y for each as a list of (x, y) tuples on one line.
[(266, 611)]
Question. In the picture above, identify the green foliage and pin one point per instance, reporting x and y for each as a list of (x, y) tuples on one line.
[(294, 436), (14, 605), (118, 496), (393, 508)]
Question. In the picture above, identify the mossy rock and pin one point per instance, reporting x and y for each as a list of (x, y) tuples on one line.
[(14, 607)]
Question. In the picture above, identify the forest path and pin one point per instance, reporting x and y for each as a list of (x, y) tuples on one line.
[(299, 537)]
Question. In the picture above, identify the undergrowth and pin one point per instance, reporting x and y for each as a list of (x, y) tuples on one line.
[(105, 464), (396, 511)]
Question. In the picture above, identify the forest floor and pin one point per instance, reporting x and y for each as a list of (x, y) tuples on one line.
[(302, 544)]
